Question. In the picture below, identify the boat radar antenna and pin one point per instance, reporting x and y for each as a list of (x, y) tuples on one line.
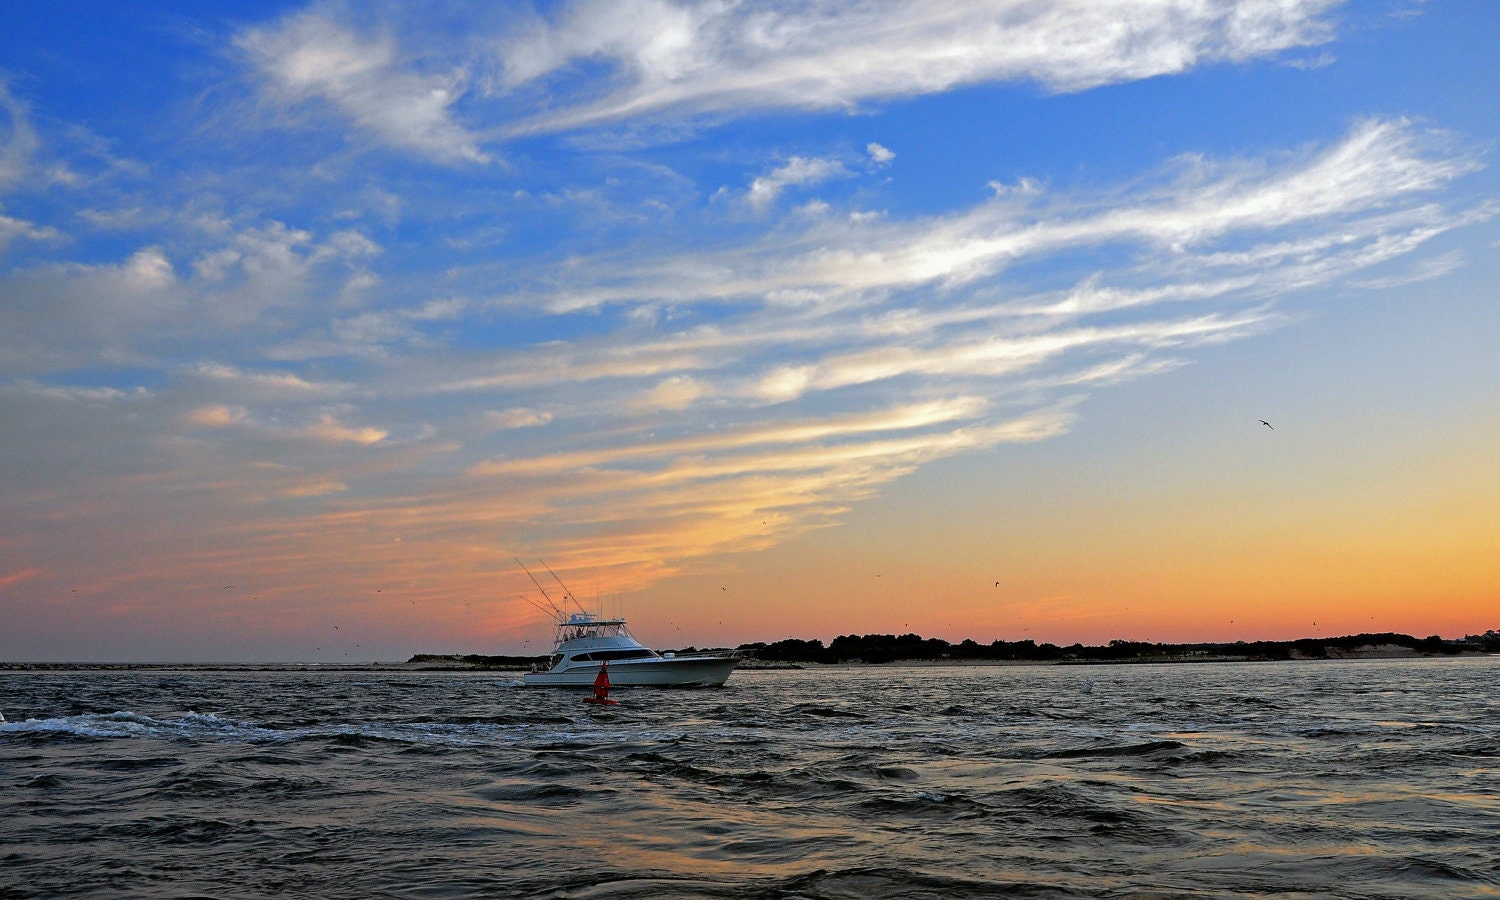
[(566, 593), (556, 610)]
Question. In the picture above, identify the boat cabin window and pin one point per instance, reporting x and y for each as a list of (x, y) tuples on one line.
[(608, 655)]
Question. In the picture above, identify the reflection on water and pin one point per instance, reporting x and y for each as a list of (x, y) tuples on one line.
[(1338, 779)]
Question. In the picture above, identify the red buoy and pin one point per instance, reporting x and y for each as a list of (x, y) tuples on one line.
[(601, 687)]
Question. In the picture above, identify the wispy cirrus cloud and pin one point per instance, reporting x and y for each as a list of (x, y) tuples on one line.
[(19, 142), (1341, 201), (918, 416), (907, 340), (726, 59), (308, 57), (19, 147), (591, 63), (663, 504)]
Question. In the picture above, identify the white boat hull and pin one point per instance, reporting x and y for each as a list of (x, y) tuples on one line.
[(702, 671)]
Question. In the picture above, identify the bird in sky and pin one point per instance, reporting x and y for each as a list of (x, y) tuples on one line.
[(1267, 424)]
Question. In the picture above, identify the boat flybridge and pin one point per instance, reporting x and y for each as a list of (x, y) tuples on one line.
[(585, 643)]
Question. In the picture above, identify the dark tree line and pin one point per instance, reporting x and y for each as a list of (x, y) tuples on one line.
[(883, 648)]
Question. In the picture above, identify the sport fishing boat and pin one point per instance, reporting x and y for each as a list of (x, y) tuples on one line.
[(586, 642)]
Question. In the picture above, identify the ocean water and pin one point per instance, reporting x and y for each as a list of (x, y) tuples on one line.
[(1310, 779)]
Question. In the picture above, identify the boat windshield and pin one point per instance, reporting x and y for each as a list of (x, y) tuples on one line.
[(574, 631)]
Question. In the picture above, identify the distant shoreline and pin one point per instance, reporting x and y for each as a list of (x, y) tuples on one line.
[(457, 663), (892, 650)]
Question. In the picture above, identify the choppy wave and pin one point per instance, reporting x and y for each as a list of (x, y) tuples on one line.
[(1340, 779)]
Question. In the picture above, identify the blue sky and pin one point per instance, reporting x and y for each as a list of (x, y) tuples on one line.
[(317, 312)]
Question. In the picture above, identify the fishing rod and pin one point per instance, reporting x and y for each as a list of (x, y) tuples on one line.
[(540, 608), (556, 610), (566, 592)]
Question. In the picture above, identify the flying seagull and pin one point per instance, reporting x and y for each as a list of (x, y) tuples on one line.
[(1267, 424)]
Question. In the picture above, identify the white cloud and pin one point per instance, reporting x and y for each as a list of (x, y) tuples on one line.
[(234, 287), (839, 428), (329, 429), (308, 57), (19, 142), (149, 270), (993, 357), (76, 394), (1024, 186), (798, 171), (879, 155), (908, 310), (517, 417), (1346, 192), (125, 218), (784, 383), (711, 57), (369, 333), (314, 489), (1423, 270), (745, 489), (12, 229), (675, 393), (70, 301), (217, 415), (267, 385)]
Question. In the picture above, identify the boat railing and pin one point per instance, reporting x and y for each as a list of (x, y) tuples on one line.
[(711, 654)]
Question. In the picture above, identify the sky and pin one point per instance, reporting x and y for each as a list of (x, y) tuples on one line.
[(1163, 320)]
